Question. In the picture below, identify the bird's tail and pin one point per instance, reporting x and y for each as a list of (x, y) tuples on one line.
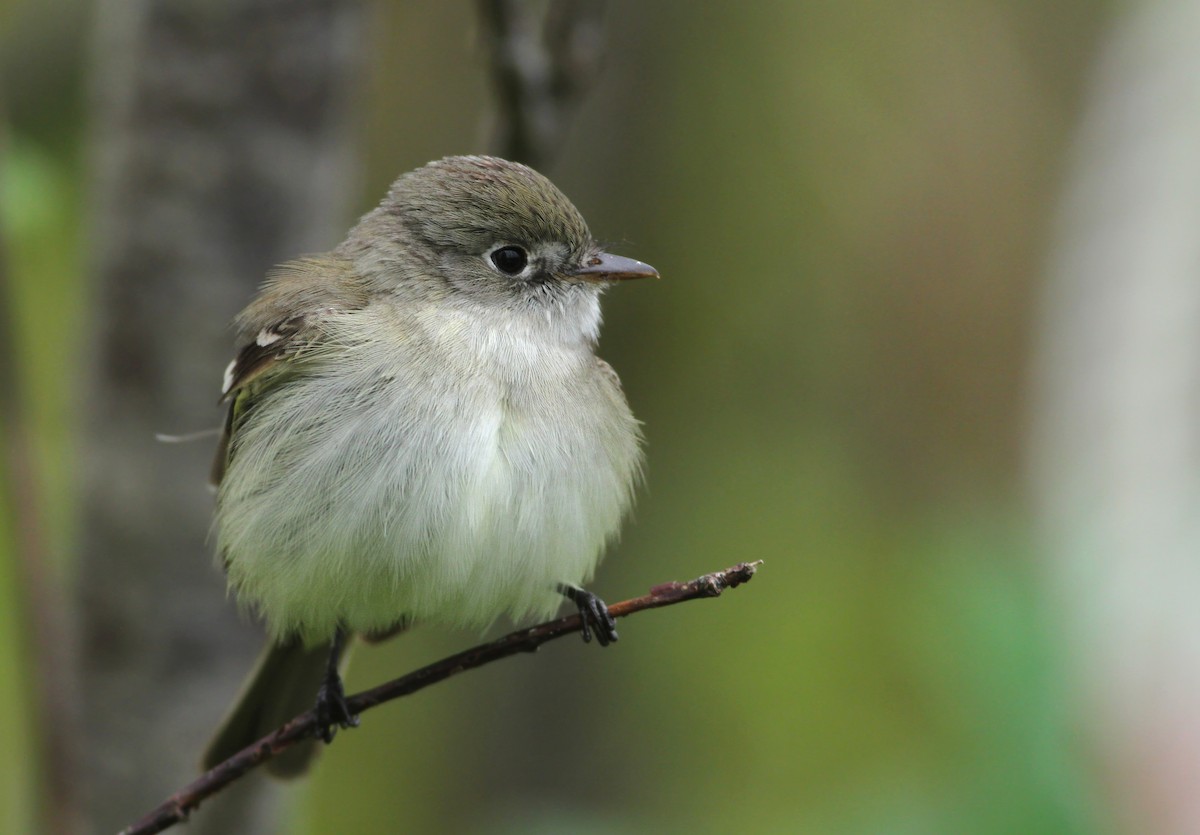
[(283, 685)]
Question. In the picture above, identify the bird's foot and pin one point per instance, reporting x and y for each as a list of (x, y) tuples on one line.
[(594, 613), (332, 710)]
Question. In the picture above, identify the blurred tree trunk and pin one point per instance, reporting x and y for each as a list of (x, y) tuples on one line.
[(544, 56), (222, 147), (1117, 460)]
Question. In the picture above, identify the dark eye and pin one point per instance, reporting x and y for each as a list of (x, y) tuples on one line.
[(510, 259)]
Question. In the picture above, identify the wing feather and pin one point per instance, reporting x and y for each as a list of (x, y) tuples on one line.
[(282, 320)]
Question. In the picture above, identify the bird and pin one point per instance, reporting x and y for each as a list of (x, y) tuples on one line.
[(419, 431)]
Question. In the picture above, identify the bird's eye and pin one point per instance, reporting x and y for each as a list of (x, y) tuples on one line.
[(510, 260)]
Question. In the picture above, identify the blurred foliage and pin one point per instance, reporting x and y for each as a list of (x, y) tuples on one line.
[(41, 188), (848, 204), (40, 211), (18, 792)]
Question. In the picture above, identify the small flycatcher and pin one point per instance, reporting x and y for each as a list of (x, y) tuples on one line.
[(419, 431)]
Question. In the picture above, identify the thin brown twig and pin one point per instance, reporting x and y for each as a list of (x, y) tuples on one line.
[(179, 805)]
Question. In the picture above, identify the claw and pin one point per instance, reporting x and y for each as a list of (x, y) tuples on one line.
[(594, 614), (331, 708)]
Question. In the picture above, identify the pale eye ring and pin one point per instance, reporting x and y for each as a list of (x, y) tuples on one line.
[(510, 259)]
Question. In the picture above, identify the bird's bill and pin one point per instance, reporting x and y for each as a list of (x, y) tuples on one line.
[(604, 267)]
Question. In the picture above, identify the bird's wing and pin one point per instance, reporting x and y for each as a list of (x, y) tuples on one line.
[(274, 331)]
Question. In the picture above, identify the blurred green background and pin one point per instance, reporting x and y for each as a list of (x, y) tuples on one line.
[(849, 204)]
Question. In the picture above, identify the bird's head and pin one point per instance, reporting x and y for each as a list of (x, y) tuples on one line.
[(500, 232)]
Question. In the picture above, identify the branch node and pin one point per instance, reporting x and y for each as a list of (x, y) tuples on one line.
[(741, 573)]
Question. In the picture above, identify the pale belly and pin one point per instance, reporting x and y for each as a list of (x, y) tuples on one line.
[(377, 499)]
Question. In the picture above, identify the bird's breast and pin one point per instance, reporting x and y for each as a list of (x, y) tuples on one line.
[(445, 479)]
